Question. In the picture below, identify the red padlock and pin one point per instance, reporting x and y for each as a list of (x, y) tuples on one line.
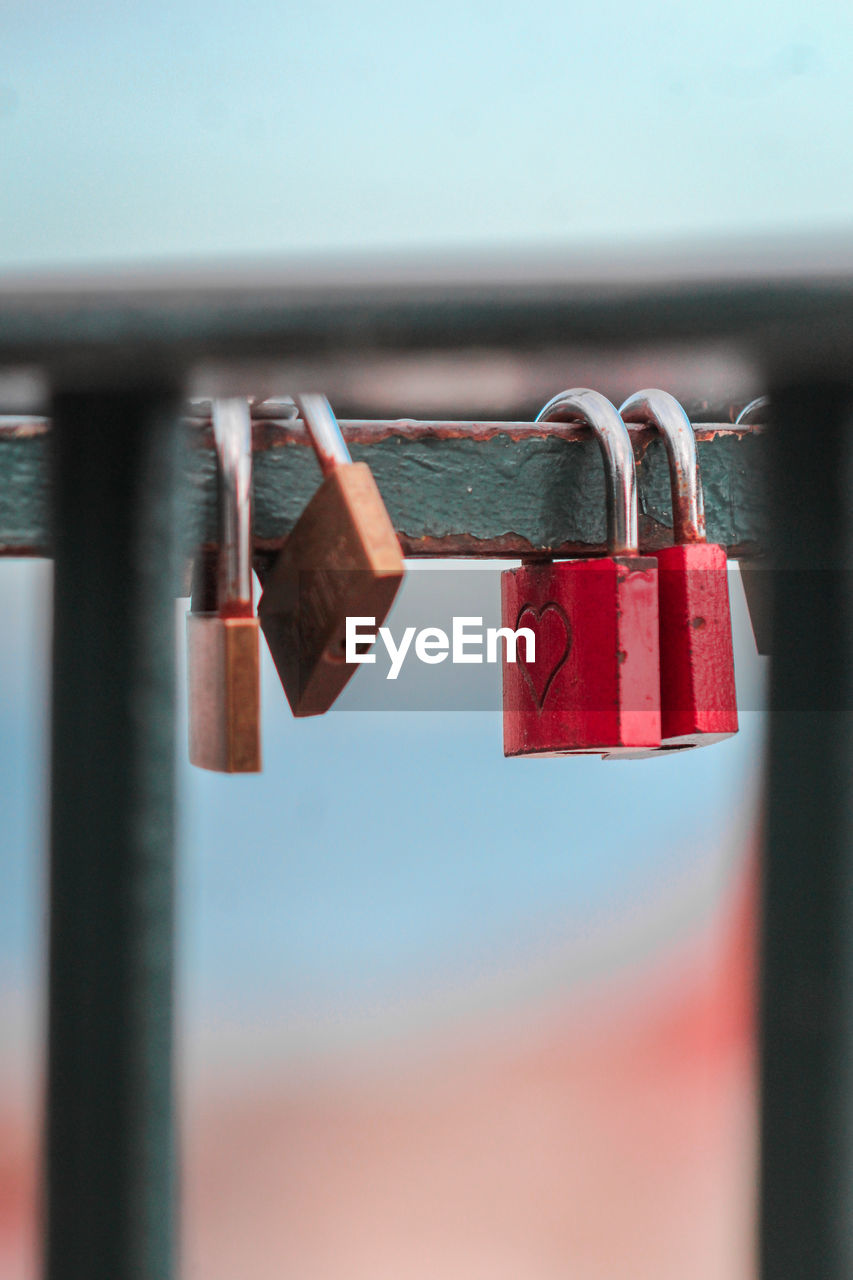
[(592, 683), (698, 700)]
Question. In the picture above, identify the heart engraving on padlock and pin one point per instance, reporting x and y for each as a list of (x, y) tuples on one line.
[(605, 696), (553, 633)]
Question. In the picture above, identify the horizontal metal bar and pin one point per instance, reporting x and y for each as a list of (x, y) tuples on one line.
[(453, 489), (762, 293)]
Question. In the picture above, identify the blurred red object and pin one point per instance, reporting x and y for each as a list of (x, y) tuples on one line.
[(618, 1144)]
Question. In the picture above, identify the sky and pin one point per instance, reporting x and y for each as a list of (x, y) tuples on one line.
[(199, 130)]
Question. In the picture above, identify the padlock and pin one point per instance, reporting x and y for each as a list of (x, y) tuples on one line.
[(592, 684), (698, 700), (223, 638), (342, 559)]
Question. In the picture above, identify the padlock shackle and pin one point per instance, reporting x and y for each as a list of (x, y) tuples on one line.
[(755, 411), (232, 433), (602, 417), (322, 426), (653, 408)]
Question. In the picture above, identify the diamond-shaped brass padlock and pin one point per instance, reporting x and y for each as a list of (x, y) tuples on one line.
[(341, 560)]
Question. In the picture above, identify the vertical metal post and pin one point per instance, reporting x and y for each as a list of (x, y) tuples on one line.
[(109, 1129), (807, 927)]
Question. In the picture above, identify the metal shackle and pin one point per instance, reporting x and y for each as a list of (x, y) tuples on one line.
[(596, 412), (755, 411), (232, 433), (653, 408), (322, 426)]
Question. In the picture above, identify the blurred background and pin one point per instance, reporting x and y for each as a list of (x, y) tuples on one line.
[(202, 129), (440, 1013)]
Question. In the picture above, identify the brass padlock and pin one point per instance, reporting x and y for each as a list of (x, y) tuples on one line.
[(223, 640), (342, 559)]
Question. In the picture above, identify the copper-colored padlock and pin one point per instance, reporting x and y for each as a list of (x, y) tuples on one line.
[(223, 642), (342, 559)]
